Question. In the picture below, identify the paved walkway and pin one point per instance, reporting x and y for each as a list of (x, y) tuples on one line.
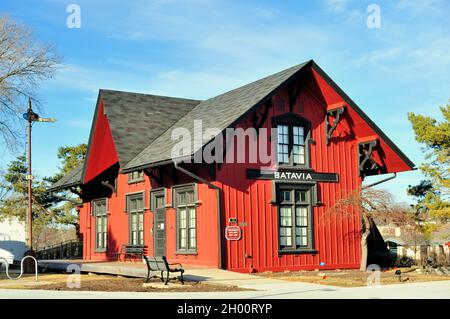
[(262, 287), (272, 290), (132, 269)]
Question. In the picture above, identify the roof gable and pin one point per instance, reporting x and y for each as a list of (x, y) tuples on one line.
[(101, 152), (364, 127)]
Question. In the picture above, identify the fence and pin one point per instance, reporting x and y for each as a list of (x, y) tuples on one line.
[(440, 254), (72, 249)]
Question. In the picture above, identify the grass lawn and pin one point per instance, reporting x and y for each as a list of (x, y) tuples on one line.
[(354, 278), (92, 282)]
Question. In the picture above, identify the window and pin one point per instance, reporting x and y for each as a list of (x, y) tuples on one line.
[(135, 210), (157, 198), (298, 145), (186, 219), (134, 177), (292, 141), (295, 217), (283, 144), (101, 223)]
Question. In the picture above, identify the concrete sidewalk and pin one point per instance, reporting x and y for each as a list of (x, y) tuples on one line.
[(210, 275), (262, 287), (285, 290), (139, 269), (131, 269)]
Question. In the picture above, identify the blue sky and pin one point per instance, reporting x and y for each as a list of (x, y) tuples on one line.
[(198, 49)]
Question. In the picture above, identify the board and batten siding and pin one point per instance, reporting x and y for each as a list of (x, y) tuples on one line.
[(336, 237), (118, 223)]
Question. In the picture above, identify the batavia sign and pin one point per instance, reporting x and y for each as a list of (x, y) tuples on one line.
[(294, 175)]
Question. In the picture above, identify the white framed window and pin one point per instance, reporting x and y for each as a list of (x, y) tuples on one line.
[(185, 205), (293, 136), (135, 210), (291, 148), (135, 177), (99, 211), (294, 217)]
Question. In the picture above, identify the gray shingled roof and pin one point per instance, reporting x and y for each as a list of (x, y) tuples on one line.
[(218, 112), (72, 178), (142, 124), (136, 120)]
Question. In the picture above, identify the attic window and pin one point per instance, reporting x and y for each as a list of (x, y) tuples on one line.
[(292, 141), (135, 177)]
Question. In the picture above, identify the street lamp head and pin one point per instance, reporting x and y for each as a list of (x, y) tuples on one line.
[(46, 119), (30, 116)]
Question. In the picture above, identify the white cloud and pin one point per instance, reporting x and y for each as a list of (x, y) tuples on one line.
[(265, 43), (230, 45), (425, 57), (266, 13), (347, 11), (222, 36), (336, 6), (421, 7), (174, 82), (89, 79), (200, 85), (380, 56)]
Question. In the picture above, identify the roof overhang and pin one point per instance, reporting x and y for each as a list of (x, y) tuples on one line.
[(63, 187)]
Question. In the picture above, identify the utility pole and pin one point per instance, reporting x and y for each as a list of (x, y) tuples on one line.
[(29, 180), (31, 117)]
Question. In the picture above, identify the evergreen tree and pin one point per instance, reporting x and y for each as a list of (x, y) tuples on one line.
[(48, 210), (433, 194), (14, 202)]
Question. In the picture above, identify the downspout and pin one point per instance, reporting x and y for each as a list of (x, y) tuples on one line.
[(381, 181), (219, 215)]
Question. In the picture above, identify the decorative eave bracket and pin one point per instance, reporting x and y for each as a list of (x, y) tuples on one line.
[(78, 192), (110, 186), (330, 127), (259, 118), (156, 177), (366, 163)]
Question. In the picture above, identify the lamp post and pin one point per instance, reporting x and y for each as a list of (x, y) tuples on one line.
[(31, 117)]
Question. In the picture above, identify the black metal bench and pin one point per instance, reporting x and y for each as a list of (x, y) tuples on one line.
[(131, 251), (160, 264)]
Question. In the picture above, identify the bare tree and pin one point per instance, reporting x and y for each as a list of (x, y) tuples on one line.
[(374, 205), (24, 64)]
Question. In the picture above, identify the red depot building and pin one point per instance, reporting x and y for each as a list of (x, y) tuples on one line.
[(241, 216)]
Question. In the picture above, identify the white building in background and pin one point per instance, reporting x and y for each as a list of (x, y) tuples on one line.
[(12, 239), (401, 243)]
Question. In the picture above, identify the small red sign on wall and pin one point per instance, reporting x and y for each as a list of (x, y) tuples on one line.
[(233, 232)]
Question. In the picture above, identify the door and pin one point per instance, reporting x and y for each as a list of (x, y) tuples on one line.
[(159, 225)]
